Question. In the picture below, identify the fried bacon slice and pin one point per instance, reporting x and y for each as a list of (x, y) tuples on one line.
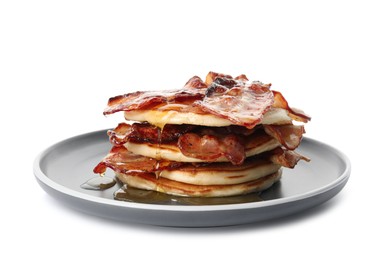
[(210, 147), (286, 158), (294, 113), (242, 102), (144, 132), (238, 101), (141, 100), (119, 159), (289, 136)]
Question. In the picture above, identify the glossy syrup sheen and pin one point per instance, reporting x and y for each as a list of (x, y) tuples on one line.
[(130, 194), (98, 183)]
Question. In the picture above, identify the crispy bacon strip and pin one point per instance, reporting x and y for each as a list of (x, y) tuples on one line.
[(144, 132), (286, 158), (238, 101), (289, 136), (202, 147), (210, 147), (148, 99), (294, 113), (119, 159), (195, 83), (193, 90), (211, 76)]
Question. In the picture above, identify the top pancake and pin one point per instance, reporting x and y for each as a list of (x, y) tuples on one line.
[(161, 117)]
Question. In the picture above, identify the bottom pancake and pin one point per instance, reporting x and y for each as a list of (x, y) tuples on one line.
[(148, 181), (220, 173)]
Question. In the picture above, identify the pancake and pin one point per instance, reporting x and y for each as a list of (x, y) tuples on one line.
[(161, 116), (224, 174), (173, 153), (148, 181)]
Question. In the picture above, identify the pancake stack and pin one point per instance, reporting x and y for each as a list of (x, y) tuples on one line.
[(220, 137)]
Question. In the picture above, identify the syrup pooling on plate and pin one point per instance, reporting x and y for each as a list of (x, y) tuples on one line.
[(98, 183), (130, 194)]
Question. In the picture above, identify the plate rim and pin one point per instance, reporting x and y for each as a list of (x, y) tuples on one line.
[(43, 178)]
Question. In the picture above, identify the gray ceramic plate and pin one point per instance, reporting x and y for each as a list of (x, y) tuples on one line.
[(61, 169)]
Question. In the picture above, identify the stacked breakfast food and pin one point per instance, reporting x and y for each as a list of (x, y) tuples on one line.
[(223, 136)]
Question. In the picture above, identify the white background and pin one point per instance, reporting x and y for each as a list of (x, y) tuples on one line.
[(61, 60)]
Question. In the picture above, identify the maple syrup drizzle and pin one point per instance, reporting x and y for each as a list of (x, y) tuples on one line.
[(158, 152), (98, 183)]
